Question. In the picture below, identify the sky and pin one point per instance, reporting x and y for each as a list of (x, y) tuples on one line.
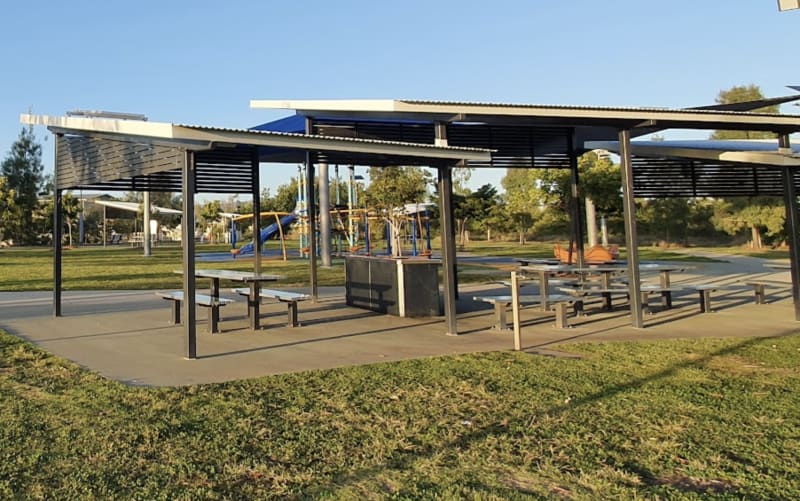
[(201, 62)]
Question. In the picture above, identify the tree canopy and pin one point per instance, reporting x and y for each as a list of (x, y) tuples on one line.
[(740, 94), (23, 172)]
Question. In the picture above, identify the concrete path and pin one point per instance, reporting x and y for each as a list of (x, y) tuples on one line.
[(125, 335)]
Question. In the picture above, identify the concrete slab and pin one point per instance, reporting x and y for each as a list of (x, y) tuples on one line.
[(125, 335)]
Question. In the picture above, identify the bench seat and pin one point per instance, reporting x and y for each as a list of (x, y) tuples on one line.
[(290, 298), (705, 291), (666, 293), (557, 302), (204, 300), (594, 291), (760, 288)]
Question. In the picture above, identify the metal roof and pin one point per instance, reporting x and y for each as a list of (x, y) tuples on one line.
[(511, 113), (743, 152), (134, 155), (199, 135)]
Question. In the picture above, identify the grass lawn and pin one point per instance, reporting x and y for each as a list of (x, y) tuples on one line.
[(680, 419), (124, 268)]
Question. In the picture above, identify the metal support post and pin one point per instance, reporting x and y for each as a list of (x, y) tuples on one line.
[(57, 229), (792, 227), (448, 248), (577, 217), (631, 238), (311, 210), (187, 235)]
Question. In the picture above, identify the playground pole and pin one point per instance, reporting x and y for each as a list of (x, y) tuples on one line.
[(350, 205), (324, 215), (428, 232), (338, 213), (146, 223), (300, 208), (413, 237)]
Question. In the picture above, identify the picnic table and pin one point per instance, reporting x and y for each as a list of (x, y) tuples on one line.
[(606, 273), (248, 277)]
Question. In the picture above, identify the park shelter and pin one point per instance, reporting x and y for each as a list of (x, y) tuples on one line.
[(547, 136), (134, 155), (132, 207)]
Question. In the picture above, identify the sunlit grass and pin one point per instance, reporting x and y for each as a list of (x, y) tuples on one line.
[(652, 420), (122, 267)]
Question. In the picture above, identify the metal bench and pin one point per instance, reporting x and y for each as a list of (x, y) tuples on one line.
[(592, 291), (666, 293), (760, 289), (705, 291), (557, 303), (209, 302), (290, 298)]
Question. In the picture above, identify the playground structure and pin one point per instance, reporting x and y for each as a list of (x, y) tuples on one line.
[(406, 229), (408, 225), (282, 222)]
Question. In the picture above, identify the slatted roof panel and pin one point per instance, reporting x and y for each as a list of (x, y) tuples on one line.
[(513, 146), (119, 165), (687, 178)]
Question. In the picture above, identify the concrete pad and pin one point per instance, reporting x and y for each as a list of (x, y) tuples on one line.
[(125, 335)]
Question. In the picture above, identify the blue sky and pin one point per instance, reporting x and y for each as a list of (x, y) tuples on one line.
[(201, 62)]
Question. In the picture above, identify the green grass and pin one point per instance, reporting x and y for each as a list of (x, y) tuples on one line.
[(120, 267), (680, 419)]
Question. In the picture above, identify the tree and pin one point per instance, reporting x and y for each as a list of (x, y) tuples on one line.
[(523, 198), (757, 213), (9, 212), (210, 216), (285, 198), (545, 195), (461, 176), (739, 94), (473, 207), (764, 216), (391, 188), (23, 169)]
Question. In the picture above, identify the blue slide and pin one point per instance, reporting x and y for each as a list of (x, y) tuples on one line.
[(268, 232)]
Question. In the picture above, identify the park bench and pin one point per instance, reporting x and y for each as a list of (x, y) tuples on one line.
[(760, 289), (666, 293), (213, 305), (705, 291), (605, 293), (290, 298), (557, 303)]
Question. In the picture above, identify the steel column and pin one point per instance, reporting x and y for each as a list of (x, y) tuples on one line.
[(448, 248), (311, 211), (631, 238), (577, 220), (440, 139), (187, 235), (255, 298), (792, 227), (57, 224)]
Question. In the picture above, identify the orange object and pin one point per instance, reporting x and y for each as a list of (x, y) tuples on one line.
[(594, 255)]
